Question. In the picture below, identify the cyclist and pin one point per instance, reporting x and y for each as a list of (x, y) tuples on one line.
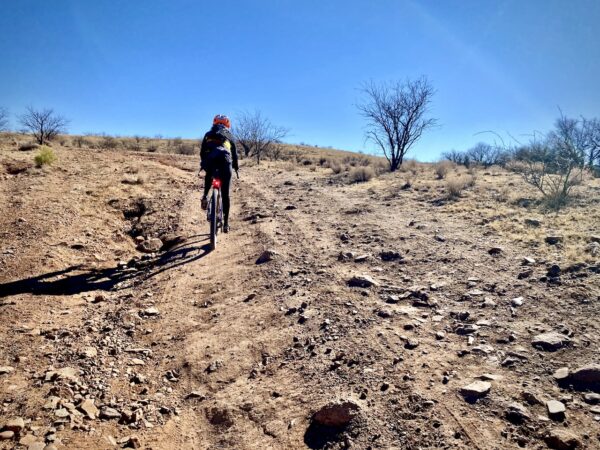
[(218, 155)]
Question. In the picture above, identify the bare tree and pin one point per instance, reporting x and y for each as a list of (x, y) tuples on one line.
[(44, 124), (257, 135), (3, 119), (397, 116)]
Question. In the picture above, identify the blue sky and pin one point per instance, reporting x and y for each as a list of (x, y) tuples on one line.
[(166, 67)]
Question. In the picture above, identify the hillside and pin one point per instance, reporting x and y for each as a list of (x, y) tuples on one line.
[(432, 322)]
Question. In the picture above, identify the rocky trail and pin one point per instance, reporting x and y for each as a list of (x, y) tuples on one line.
[(332, 316)]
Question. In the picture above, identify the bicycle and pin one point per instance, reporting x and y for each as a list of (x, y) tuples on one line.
[(214, 212)]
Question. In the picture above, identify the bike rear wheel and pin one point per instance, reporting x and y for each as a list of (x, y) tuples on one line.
[(214, 214)]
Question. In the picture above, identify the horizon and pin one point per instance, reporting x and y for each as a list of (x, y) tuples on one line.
[(141, 69)]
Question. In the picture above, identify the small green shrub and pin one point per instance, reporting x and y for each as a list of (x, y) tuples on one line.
[(45, 156)]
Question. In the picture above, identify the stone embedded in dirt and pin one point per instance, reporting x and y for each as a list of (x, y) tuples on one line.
[(527, 261), (151, 311), (337, 415), (132, 442), (562, 373), (533, 223), (495, 250), (556, 409), (196, 395), (89, 409), (562, 440), (89, 352), (220, 417), (66, 373), (390, 255), (108, 413), (518, 301), (531, 398), (6, 435), (440, 335), (411, 344), (466, 329), (517, 413), (362, 281), (361, 258), (553, 239), (15, 425), (4, 370), (550, 341), (385, 313), (266, 256), (592, 398), (553, 271), (488, 303), (151, 245), (61, 413), (588, 374), (476, 389), (483, 349), (214, 366)]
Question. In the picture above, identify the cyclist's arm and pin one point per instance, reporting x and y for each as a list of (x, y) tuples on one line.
[(234, 156)]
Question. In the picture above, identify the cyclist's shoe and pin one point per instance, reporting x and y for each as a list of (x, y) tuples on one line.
[(226, 228), (204, 203)]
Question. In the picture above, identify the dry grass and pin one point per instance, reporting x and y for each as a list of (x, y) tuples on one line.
[(442, 168), (361, 174)]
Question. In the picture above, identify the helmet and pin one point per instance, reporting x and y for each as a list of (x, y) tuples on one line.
[(222, 120)]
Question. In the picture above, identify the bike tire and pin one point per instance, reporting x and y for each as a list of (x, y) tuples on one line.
[(213, 220)]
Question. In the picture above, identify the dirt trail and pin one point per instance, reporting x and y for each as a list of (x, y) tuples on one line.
[(185, 348)]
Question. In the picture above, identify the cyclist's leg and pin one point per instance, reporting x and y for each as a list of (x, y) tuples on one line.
[(207, 185), (225, 183)]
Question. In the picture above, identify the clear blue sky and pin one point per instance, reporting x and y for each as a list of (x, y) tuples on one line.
[(166, 67)]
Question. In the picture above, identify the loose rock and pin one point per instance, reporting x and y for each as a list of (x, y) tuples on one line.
[(363, 281), (476, 390), (551, 341), (151, 245), (556, 409), (266, 256), (336, 414), (562, 440), (589, 374), (517, 413)]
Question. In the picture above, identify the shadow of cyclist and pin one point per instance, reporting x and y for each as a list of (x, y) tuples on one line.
[(78, 279)]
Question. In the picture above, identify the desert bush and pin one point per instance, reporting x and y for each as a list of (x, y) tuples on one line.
[(323, 161), (80, 141), (455, 186), (152, 147), (442, 168), (335, 167), (185, 149), (410, 165), (28, 146), (108, 143), (45, 156), (361, 174)]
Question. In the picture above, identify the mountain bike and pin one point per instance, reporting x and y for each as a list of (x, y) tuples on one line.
[(214, 212)]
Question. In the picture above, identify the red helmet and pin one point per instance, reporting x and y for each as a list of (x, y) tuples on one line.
[(222, 120)]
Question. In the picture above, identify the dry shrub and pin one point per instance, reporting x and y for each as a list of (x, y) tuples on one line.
[(139, 179), (442, 168), (185, 149), (28, 146), (335, 167), (17, 167), (361, 174), (108, 143), (410, 165), (45, 156), (455, 186), (152, 148)]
